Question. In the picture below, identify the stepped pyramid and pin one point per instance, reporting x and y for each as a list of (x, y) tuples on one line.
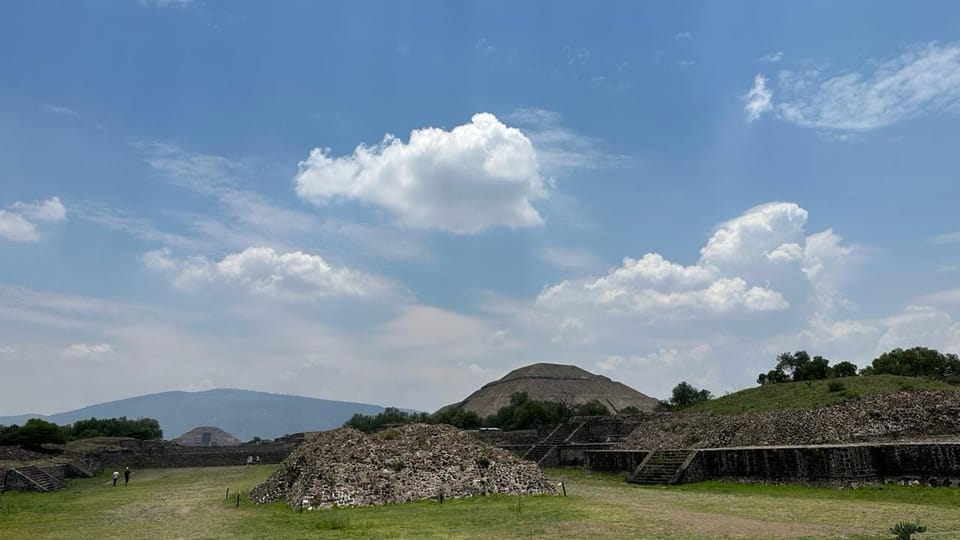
[(554, 382), (207, 436)]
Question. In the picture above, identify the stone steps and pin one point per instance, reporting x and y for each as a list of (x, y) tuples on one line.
[(39, 478), (660, 467), (556, 437)]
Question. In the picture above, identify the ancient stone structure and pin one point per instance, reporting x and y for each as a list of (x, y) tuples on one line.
[(207, 436), (346, 467), (879, 417), (164, 454), (555, 382)]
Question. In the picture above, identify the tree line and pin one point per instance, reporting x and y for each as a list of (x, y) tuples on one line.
[(36, 432), (521, 413), (913, 362)]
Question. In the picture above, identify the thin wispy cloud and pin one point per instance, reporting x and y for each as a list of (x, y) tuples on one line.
[(58, 109), (771, 58), (560, 148), (484, 47), (758, 99), (166, 3), (946, 238), (576, 57), (924, 80), (682, 36), (21, 222)]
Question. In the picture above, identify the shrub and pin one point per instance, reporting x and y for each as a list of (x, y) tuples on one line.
[(836, 386), (390, 434), (905, 529)]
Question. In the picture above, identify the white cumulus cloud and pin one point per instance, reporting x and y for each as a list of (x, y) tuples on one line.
[(655, 285), (293, 275), (19, 222), (738, 270), (476, 176)]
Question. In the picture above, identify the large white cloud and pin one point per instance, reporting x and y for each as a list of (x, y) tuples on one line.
[(923, 80), (19, 222), (736, 274), (768, 231), (476, 176), (295, 275), (775, 233), (655, 286)]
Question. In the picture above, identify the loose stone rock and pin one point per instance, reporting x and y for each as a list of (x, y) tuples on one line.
[(345, 467)]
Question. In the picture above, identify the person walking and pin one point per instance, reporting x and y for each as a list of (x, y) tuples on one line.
[(116, 476), (126, 476)]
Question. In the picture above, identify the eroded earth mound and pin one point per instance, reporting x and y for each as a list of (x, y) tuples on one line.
[(873, 418), (345, 467)]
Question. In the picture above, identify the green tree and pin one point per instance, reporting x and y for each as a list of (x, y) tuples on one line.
[(455, 416), (8, 435), (36, 432), (799, 366), (141, 428), (685, 395), (917, 362), (774, 376), (592, 408), (843, 369)]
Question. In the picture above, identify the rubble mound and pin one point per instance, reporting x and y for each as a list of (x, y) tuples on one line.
[(346, 467), (873, 418)]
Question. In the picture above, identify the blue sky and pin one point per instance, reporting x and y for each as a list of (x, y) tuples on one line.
[(397, 203)]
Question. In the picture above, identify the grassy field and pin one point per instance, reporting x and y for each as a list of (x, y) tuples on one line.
[(812, 394), (189, 503)]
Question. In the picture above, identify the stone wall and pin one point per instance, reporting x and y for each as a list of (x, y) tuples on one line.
[(928, 463), (613, 460), (520, 437), (159, 455), (598, 429)]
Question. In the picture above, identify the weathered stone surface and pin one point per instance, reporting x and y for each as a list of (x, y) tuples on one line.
[(881, 417), (345, 467)]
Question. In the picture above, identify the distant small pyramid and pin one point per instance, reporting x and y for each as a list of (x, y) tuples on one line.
[(207, 436), (555, 382)]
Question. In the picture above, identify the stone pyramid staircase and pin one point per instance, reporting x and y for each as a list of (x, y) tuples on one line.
[(556, 437), (662, 467), (38, 478)]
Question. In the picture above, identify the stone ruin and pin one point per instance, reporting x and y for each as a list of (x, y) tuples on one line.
[(897, 416), (345, 467), (207, 436)]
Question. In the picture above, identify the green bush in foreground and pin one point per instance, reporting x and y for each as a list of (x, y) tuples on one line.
[(905, 530)]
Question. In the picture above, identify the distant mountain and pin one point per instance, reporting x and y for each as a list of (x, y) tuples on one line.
[(243, 413)]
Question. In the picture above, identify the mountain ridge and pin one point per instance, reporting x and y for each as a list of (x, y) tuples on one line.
[(244, 413)]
